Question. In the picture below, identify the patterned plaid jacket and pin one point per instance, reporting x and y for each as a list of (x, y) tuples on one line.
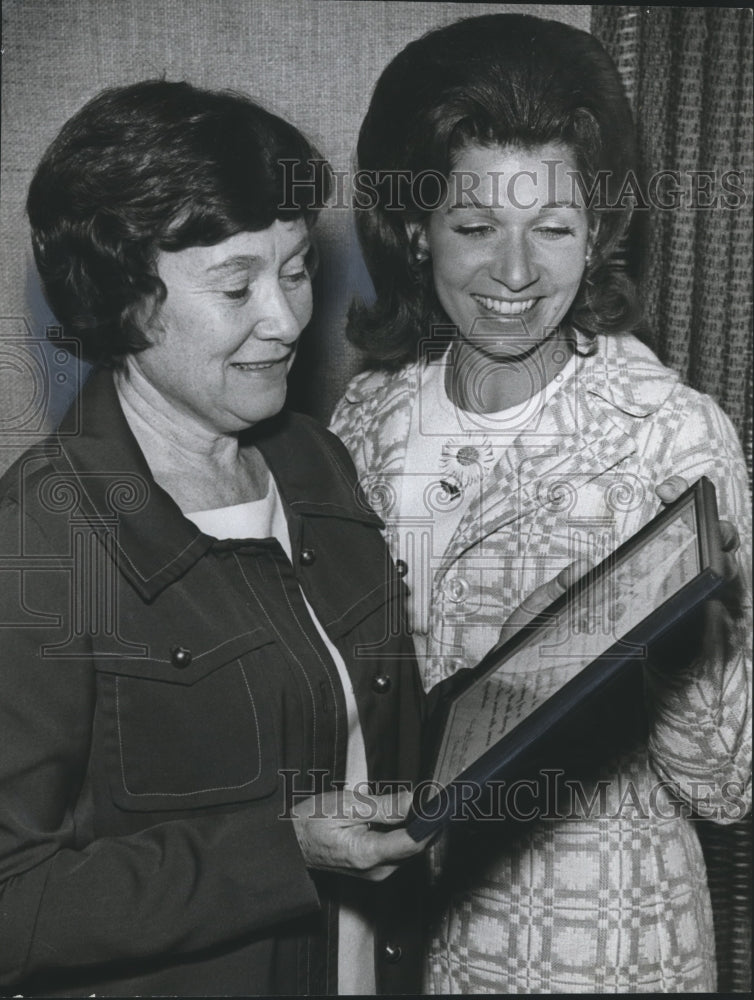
[(606, 891)]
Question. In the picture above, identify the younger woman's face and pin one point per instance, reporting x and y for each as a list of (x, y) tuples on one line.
[(508, 247)]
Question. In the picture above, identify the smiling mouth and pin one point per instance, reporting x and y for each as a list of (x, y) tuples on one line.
[(259, 366), (505, 307)]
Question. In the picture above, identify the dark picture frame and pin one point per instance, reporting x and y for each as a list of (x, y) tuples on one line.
[(586, 642)]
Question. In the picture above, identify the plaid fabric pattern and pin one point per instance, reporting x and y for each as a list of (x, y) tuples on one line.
[(613, 898)]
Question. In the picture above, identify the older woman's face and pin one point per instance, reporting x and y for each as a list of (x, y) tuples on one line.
[(508, 248), (224, 339)]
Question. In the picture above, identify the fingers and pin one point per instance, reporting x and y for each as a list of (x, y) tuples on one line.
[(396, 845), (729, 537), (533, 604), (733, 595), (391, 809), (376, 855), (573, 572), (543, 597), (670, 489), (381, 847), (334, 832)]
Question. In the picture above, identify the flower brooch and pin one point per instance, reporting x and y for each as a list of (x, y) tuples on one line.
[(464, 463)]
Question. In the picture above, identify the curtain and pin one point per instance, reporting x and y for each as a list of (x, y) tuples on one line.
[(688, 75)]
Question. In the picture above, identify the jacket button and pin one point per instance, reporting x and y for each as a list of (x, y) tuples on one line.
[(381, 684), (401, 567), (307, 557), (393, 953), (457, 588), (180, 657)]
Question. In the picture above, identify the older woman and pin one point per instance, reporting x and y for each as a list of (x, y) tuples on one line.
[(510, 414), (199, 631)]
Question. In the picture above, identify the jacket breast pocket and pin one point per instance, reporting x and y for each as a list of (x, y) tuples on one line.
[(189, 735)]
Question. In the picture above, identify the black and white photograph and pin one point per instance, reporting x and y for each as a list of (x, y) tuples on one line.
[(374, 374)]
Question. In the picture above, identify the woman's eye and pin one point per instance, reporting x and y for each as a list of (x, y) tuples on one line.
[(295, 278), (555, 232), (236, 293), (480, 230)]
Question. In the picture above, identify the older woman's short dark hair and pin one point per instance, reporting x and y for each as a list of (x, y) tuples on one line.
[(503, 79), (156, 166)]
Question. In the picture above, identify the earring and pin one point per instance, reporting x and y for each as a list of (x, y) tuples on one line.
[(421, 255)]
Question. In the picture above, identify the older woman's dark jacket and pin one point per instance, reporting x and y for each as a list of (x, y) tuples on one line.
[(163, 694)]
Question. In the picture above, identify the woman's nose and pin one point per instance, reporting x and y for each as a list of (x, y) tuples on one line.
[(279, 321), (512, 265)]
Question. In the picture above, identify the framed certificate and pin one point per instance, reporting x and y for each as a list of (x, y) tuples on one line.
[(572, 654)]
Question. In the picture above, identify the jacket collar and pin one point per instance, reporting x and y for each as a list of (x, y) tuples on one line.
[(312, 469), (100, 463), (620, 370), (626, 375), (592, 422), (617, 381)]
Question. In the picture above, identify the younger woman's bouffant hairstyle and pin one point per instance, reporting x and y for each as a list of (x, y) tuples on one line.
[(508, 80), (150, 167)]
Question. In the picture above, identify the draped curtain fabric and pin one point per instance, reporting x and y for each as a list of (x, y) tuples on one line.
[(688, 74)]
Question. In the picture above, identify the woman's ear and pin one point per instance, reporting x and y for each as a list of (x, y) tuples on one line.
[(418, 241), (145, 315)]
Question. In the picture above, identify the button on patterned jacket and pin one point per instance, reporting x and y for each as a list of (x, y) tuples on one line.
[(604, 890)]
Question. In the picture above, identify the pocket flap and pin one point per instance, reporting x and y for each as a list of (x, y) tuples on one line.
[(185, 662), (188, 746)]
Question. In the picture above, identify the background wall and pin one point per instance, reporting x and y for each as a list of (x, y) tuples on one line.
[(312, 61)]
